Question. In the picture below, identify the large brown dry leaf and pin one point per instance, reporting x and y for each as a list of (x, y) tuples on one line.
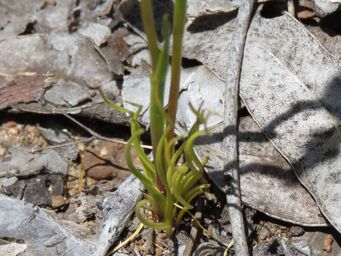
[(209, 7), (292, 89), (291, 86), (267, 181)]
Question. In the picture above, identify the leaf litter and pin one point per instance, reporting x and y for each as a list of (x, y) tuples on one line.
[(208, 32), (291, 61)]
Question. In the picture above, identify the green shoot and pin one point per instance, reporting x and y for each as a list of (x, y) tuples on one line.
[(172, 177)]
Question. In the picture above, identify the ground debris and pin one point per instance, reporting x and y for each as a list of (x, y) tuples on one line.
[(23, 163), (26, 219)]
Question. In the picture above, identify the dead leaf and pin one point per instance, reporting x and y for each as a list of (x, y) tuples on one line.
[(210, 7), (268, 183), (22, 89), (297, 103), (291, 86)]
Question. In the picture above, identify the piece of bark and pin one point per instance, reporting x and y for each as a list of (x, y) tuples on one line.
[(40, 232), (22, 89), (117, 210)]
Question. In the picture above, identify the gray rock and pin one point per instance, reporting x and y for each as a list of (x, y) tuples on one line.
[(96, 32), (302, 246), (12, 249), (23, 163), (66, 94), (54, 136), (41, 233)]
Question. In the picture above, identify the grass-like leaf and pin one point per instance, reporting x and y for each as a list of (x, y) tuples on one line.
[(172, 178)]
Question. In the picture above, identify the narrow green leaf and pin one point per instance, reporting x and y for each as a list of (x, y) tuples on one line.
[(143, 204), (150, 29), (178, 31), (158, 78)]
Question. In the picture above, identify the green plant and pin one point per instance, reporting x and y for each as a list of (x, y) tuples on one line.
[(171, 178)]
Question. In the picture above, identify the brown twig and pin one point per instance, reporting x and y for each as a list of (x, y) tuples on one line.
[(195, 229), (95, 134)]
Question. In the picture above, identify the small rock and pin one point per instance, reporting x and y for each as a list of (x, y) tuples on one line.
[(104, 151), (16, 189), (54, 136), (327, 243), (2, 150), (100, 172), (59, 201), (296, 231), (12, 249), (105, 160), (67, 93), (37, 193), (95, 31), (23, 163), (41, 189), (13, 131), (305, 14), (9, 124), (55, 184), (302, 246), (6, 182)]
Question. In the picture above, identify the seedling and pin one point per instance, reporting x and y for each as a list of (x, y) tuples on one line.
[(171, 178)]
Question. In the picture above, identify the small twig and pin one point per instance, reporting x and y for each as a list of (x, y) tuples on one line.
[(194, 230), (95, 134), (128, 240), (228, 248), (230, 146), (66, 144), (82, 172), (291, 8), (17, 74), (161, 248), (206, 232)]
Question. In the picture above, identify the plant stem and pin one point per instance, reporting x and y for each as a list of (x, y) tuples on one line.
[(178, 31), (158, 78), (150, 29)]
